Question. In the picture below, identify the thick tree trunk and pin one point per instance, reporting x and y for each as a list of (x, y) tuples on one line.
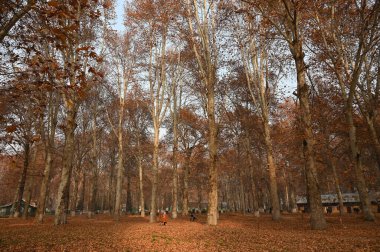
[(27, 201), (44, 185), (119, 176), (317, 219), (356, 159), (272, 170), (129, 204), (16, 208), (64, 186), (186, 171), (175, 150), (374, 138), (153, 204), (141, 182), (52, 122), (212, 215), (94, 170)]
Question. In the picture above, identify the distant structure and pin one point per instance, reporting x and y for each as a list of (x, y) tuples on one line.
[(351, 201), (5, 210)]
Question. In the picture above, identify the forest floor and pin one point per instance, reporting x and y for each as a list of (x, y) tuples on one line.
[(234, 232)]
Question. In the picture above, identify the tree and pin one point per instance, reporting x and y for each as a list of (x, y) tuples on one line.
[(201, 19), (347, 69)]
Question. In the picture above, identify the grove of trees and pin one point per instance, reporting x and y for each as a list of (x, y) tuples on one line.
[(219, 105)]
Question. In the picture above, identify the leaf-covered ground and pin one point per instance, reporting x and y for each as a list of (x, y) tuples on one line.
[(234, 233)]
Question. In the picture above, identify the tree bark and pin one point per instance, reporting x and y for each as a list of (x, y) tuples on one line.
[(175, 151), (94, 170), (317, 219), (212, 215), (49, 149), (356, 159), (141, 182), (120, 169), (337, 187), (153, 204), (16, 208), (74, 194), (186, 172), (27, 201), (64, 186), (271, 170), (255, 202)]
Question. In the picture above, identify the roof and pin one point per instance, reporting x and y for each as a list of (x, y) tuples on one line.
[(32, 204), (333, 198)]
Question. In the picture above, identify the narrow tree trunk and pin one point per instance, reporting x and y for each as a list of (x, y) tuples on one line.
[(73, 199), (7, 26), (111, 186), (255, 201), (64, 186), (80, 203), (241, 183), (16, 208)]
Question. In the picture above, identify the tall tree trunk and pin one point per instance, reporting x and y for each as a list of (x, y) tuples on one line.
[(186, 171), (80, 203), (129, 204), (374, 136), (74, 196), (317, 219), (241, 182), (356, 159), (337, 187), (16, 208), (272, 170), (212, 215), (255, 201), (141, 182), (153, 204), (94, 170), (64, 186), (49, 148), (27, 201), (111, 185), (44, 185), (207, 62), (120, 171), (175, 150)]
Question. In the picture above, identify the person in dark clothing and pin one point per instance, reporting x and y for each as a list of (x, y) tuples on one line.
[(192, 217)]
